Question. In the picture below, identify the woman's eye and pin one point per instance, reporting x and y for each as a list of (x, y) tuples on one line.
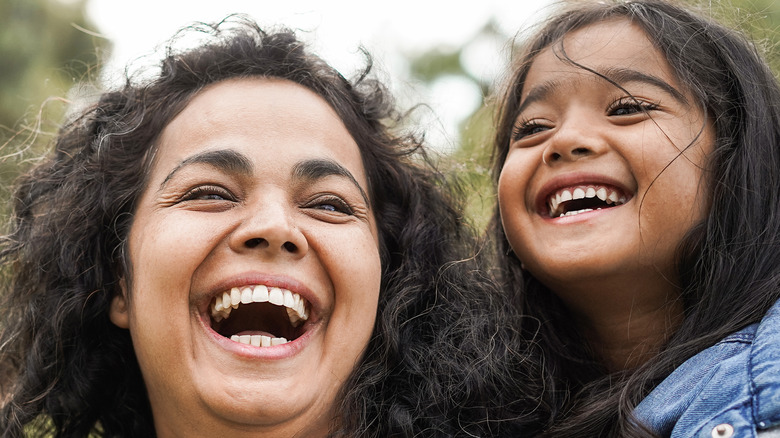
[(527, 128), (333, 204), (208, 193), (628, 105)]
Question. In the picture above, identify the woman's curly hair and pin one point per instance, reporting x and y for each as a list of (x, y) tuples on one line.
[(443, 358)]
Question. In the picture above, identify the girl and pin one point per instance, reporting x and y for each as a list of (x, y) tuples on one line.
[(637, 164)]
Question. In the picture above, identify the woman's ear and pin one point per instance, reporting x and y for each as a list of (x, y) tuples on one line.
[(118, 312)]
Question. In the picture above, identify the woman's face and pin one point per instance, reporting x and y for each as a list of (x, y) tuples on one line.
[(255, 265), (602, 182)]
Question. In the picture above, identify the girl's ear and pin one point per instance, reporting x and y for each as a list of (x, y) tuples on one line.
[(118, 312)]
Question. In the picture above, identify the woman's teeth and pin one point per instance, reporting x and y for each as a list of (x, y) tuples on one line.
[(556, 204), (222, 305), (258, 340)]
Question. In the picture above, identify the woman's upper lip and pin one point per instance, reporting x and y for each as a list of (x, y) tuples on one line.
[(572, 180)]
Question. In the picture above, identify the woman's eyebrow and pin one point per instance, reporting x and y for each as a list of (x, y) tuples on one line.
[(313, 169), (226, 160)]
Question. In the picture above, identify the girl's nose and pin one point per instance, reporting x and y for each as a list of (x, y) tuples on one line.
[(574, 139)]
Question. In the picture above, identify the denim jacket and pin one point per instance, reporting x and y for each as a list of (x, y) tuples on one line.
[(731, 389)]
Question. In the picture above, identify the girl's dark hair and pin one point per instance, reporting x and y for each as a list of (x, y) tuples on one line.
[(728, 266), (438, 363)]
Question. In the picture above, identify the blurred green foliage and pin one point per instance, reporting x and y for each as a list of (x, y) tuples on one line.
[(760, 19), (45, 50), (471, 161)]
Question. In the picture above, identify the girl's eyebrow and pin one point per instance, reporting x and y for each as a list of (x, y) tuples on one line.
[(313, 169), (224, 159), (537, 93), (618, 76)]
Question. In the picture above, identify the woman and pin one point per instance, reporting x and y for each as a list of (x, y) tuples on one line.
[(240, 246)]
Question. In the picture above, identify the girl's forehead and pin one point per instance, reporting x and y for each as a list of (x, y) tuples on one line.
[(616, 40), (601, 35), (615, 48)]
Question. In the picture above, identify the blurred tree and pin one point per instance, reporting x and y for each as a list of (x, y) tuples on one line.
[(44, 51), (758, 18), (471, 161)]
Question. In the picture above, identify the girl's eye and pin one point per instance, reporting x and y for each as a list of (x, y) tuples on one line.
[(332, 204), (208, 193), (626, 106), (527, 128)]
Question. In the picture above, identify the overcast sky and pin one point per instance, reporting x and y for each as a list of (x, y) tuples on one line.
[(388, 29)]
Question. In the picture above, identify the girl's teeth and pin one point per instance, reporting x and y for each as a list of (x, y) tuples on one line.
[(606, 195), (572, 213)]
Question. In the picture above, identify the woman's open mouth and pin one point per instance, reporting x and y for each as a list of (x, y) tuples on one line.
[(259, 315), (574, 200)]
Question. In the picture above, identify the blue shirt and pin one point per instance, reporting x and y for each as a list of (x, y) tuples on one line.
[(731, 389)]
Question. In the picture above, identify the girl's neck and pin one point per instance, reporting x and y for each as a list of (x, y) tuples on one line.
[(626, 325), (629, 339)]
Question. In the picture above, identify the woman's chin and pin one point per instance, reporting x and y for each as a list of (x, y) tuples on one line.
[(244, 408), (257, 387), (223, 401)]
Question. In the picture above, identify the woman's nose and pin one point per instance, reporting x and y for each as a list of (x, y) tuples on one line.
[(269, 230)]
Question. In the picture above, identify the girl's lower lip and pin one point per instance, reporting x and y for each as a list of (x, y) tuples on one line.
[(276, 352)]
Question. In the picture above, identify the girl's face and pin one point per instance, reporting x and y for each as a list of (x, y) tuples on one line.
[(602, 182), (255, 264)]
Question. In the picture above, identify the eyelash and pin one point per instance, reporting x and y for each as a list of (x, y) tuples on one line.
[(526, 128), (630, 103), (338, 204), (207, 193), (529, 127)]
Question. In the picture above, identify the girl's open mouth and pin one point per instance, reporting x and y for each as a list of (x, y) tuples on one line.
[(574, 200)]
